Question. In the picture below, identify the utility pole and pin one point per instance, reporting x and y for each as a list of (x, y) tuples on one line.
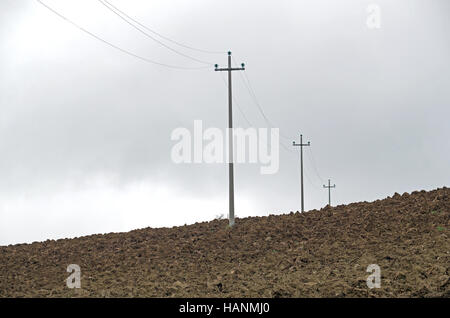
[(329, 191), (301, 145), (229, 69)]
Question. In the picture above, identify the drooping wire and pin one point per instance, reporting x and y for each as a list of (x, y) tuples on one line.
[(115, 46), (288, 149), (255, 99), (268, 122), (252, 94), (314, 186), (313, 163), (124, 17), (162, 36), (310, 181), (236, 103), (283, 146)]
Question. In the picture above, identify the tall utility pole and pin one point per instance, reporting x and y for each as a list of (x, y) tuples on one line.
[(301, 145), (229, 69), (329, 191)]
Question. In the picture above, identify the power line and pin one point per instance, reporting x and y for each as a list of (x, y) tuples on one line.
[(313, 163), (289, 150), (119, 14), (269, 123), (255, 100), (252, 94), (115, 46), (283, 146), (237, 104), (314, 186), (162, 36)]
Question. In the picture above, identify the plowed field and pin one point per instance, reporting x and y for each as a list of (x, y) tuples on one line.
[(320, 253)]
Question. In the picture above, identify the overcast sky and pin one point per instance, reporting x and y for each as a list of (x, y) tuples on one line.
[(85, 130)]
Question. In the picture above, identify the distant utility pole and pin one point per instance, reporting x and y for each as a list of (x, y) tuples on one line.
[(229, 69), (329, 191), (301, 145)]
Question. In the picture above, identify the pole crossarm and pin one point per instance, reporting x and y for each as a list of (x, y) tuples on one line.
[(301, 145), (230, 69)]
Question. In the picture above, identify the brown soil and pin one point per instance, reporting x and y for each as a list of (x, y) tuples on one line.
[(321, 253)]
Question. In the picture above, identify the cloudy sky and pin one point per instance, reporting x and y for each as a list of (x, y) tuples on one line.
[(85, 129)]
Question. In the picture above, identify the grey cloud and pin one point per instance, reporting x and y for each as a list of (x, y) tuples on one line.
[(373, 103)]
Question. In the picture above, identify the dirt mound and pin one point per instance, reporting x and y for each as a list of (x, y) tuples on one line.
[(321, 253)]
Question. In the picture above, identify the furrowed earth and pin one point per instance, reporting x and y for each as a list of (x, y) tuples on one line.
[(320, 253)]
